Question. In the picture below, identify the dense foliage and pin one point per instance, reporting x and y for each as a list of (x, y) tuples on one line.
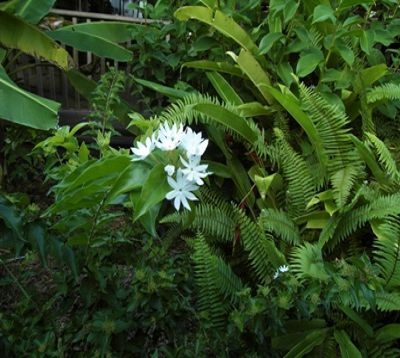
[(285, 239)]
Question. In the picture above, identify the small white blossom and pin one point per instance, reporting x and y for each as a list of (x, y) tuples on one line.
[(169, 169), (194, 171), (169, 138), (143, 150), (182, 190), (281, 269), (193, 143)]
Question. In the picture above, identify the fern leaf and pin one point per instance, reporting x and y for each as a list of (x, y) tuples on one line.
[(216, 282), (340, 160), (388, 301), (387, 91), (265, 258), (385, 157), (342, 182), (301, 186), (307, 262), (280, 224), (387, 250)]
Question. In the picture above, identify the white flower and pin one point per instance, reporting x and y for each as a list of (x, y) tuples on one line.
[(193, 143), (143, 150), (182, 190), (283, 268), (194, 171), (169, 169), (169, 138)]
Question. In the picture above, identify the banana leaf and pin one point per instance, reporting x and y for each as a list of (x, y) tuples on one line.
[(22, 107)]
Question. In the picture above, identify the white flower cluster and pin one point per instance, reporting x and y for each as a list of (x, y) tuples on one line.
[(281, 269), (184, 176)]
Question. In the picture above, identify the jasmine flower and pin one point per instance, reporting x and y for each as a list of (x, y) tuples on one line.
[(281, 269), (143, 150), (194, 171), (169, 169), (193, 143), (182, 190), (169, 138)]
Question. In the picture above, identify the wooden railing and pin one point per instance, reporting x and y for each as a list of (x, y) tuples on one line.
[(47, 80)]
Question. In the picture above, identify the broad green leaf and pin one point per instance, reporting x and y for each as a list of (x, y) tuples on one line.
[(82, 84), (11, 218), (131, 178), (323, 13), (228, 119), (221, 22), (265, 183), (292, 106), (268, 41), (251, 67), (215, 66), (313, 339), (153, 191), (15, 33), (285, 72), (32, 11), (368, 157), (308, 62), (165, 90), (347, 347), (224, 89), (354, 316), (101, 43), (289, 10), (344, 4), (37, 236), (390, 332), (366, 41), (92, 171), (370, 75), (344, 51), (25, 108), (254, 109)]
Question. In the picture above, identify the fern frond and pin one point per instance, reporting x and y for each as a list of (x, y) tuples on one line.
[(388, 301), (339, 153), (384, 156), (301, 186), (307, 262), (386, 91), (387, 250), (264, 257), (381, 208), (216, 282), (277, 222), (196, 107)]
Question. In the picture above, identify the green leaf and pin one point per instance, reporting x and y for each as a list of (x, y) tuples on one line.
[(221, 22), (36, 235), (347, 348), (224, 89), (390, 332), (12, 219), (366, 41), (323, 13), (215, 66), (99, 38), (268, 41), (229, 119), (25, 108), (153, 191), (32, 11), (354, 316), (252, 68), (15, 33), (345, 52), (344, 4), (313, 339), (308, 62), (165, 90)]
